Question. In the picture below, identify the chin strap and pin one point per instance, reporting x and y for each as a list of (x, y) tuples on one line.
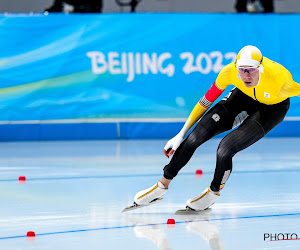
[(261, 68)]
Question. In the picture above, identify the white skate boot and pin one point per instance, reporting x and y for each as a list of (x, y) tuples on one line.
[(148, 196), (202, 201)]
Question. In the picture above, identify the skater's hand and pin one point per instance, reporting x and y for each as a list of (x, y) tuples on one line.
[(172, 145)]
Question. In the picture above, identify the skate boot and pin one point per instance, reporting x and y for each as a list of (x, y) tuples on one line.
[(202, 201), (148, 196), (151, 194)]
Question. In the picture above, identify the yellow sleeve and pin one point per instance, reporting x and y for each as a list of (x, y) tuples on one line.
[(289, 88), (194, 116), (224, 77)]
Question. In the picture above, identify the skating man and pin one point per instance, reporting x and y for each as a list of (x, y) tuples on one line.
[(260, 99)]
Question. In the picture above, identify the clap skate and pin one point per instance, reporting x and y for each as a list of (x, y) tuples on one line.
[(148, 197), (200, 202)]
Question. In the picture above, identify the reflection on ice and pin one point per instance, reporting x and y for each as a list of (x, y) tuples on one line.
[(198, 223)]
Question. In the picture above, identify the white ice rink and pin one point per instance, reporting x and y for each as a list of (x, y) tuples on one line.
[(75, 192)]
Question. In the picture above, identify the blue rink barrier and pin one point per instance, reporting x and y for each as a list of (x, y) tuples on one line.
[(54, 131), (111, 131), (168, 130)]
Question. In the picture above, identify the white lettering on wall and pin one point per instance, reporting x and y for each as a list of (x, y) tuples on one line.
[(133, 64), (205, 63)]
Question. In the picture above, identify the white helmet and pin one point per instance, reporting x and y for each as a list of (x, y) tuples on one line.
[(249, 56)]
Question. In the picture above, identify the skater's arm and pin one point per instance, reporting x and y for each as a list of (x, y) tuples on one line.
[(194, 116), (200, 108)]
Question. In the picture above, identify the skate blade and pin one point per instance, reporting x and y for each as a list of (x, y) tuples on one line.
[(189, 210), (136, 206)]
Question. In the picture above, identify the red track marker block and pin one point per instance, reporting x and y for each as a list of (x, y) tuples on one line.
[(171, 223), (30, 234), (199, 173), (22, 180)]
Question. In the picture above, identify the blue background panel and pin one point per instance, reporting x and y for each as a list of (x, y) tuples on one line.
[(127, 68)]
